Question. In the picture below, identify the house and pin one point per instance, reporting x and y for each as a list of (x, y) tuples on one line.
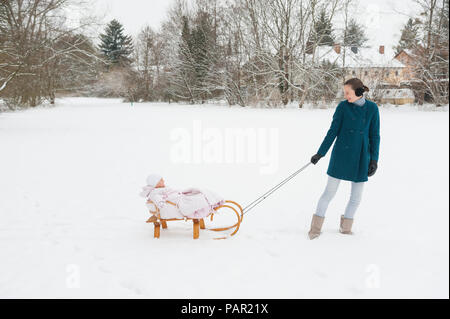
[(421, 84), (370, 65), (406, 57), (378, 68)]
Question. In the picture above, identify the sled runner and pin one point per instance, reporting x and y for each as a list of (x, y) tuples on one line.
[(197, 223)]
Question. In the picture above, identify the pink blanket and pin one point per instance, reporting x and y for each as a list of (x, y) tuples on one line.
[(190, 203)]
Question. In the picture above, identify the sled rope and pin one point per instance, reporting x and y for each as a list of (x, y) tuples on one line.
[(272, 190)]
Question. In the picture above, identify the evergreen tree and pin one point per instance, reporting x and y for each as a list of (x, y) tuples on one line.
[(328, 87), (323, 30), (115, 45), (410, 35), (186, 42), (183, 81), (200, 46), (196, 56), (355, 36)]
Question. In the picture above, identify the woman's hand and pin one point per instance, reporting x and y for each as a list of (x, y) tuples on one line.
[(316, 158), (372, 167)]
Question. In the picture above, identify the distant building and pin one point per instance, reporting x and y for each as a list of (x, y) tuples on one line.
[(406, 57), (378, 68), (421, 84), (396, 96), (367, 64)]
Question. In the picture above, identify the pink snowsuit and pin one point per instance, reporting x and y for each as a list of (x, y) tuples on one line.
[(190, 203)]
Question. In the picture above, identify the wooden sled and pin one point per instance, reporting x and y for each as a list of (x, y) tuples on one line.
[(197, 223)]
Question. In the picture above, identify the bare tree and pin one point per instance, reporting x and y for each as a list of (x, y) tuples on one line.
[(431, 52), (38, 47), (281, 50)]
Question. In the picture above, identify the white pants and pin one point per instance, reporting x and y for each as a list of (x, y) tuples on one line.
[(330, 191)]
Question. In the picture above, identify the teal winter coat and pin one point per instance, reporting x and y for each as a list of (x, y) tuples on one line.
[(357, 129)]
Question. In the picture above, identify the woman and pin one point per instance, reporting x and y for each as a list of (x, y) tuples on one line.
[(356, 124)]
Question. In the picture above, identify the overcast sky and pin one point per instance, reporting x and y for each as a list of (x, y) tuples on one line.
[(383, 18)]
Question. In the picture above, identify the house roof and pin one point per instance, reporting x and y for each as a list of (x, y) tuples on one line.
[(366, 57), (407, 51)]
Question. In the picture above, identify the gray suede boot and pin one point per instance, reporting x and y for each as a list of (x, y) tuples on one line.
[(346, 226), (316, 226)]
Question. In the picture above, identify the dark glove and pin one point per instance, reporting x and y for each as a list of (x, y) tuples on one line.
[(316, 158), (372, 167)]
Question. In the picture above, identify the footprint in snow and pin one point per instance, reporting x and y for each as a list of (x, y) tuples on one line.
[(103, 269), (130, 286)]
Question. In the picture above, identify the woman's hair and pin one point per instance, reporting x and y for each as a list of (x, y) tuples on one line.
[(356, 83)]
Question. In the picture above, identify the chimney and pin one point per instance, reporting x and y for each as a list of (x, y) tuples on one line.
[(337, 48), (381, 49)]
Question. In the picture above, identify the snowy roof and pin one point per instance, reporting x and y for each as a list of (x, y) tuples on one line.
[(365, 57), (396, 93), (408, 51)]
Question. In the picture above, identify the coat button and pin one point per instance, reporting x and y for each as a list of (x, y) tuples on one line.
[(361, 132), (353, 118), (346, 147), (351, 131)]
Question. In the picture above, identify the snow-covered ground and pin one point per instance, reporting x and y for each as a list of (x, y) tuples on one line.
[(72, 223)]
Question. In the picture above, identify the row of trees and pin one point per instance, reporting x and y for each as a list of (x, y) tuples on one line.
[(254, 52), (244, 51), (247, 52)]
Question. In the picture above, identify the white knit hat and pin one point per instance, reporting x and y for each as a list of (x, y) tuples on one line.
[(153, 180)]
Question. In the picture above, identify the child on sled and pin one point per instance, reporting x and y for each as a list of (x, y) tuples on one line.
[(167, 203)]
